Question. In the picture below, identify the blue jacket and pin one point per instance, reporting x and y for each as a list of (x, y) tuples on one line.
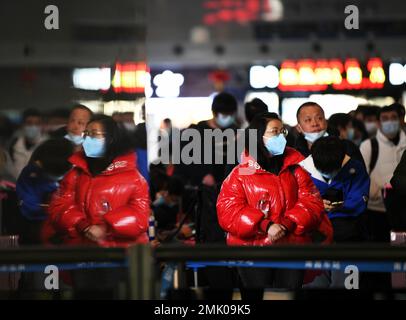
[(33, 189), (352, 180)]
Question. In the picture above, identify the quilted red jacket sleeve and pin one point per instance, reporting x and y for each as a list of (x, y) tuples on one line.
[(64, 213), (308, 210), (234, 214), (131, 220)]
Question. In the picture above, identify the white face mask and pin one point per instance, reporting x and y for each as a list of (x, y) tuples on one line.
[(129, 126), (75, 139), (371, 127), (313, 136)]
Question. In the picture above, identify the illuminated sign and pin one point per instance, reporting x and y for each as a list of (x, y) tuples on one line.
[(227, 11), (264, 77), (92, 78), (397, 74), (130, 77), (168, 84), (318, 75)]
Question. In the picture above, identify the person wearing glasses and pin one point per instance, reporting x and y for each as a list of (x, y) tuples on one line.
[(103, 200), (269, 199)]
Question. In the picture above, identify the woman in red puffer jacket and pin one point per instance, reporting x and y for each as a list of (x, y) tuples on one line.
[(269, 200), (103, 200)]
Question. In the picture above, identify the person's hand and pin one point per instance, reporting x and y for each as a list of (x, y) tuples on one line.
[(186, 231), (276, 232), (329, 206), (209, 180), (155, 243), (95, 233)]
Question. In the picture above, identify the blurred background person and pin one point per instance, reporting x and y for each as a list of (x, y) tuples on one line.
[(22, 147), (360, 132), (340, 125), (36, 184), (381, 155), (79, 117)]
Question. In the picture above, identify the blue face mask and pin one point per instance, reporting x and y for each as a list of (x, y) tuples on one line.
[(313, 136), (94, 147), (390, 128), (76, 140), (275, 145), (224, 121), (32, 132), (350, 134)]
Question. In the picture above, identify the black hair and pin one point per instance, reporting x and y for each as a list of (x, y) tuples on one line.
[(254, 107), (359, 125), (79, 106), (307, 104), (400, 107), (224, 103), (53, 155), (390, 108), (328, 154), (31, 113), (167, 121), (370, 111), (259, 123), (118, 143), (337, 121)]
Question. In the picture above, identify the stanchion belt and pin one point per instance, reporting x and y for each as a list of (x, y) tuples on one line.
[(61, 267), (306, 265)]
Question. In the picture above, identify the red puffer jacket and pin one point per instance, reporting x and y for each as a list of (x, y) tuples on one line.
[(291, 197), (117, 198)]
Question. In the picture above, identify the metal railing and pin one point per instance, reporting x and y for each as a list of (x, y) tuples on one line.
[(141, 260)]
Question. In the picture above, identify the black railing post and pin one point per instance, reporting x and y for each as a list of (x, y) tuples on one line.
[(141, 273)]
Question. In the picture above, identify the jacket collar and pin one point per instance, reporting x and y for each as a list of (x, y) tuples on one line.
[(382, 138), (291, 158), (123, 163)]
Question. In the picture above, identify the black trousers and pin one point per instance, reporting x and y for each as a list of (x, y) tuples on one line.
[(379, 231)]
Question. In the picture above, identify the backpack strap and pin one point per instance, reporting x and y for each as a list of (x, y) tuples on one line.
[(374, 154)]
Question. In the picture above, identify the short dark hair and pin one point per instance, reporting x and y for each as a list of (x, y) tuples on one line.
[(400, 107), (337, 121), (328, 154), (371, 111), (391, 108), (117, 139), (79, 106), (53, 155), (31, 113), (224, 102), (307, 104), (254, 107)]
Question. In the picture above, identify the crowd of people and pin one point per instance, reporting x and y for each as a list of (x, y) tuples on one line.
[(81, 178)]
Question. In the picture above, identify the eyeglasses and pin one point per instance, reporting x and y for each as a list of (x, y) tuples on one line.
[(93, 134), (275, 132)]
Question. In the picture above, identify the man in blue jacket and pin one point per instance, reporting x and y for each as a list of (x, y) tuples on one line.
[(344, 186), (36, 184)]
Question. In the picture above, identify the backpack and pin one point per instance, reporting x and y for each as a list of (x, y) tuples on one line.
[(374, 154)]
